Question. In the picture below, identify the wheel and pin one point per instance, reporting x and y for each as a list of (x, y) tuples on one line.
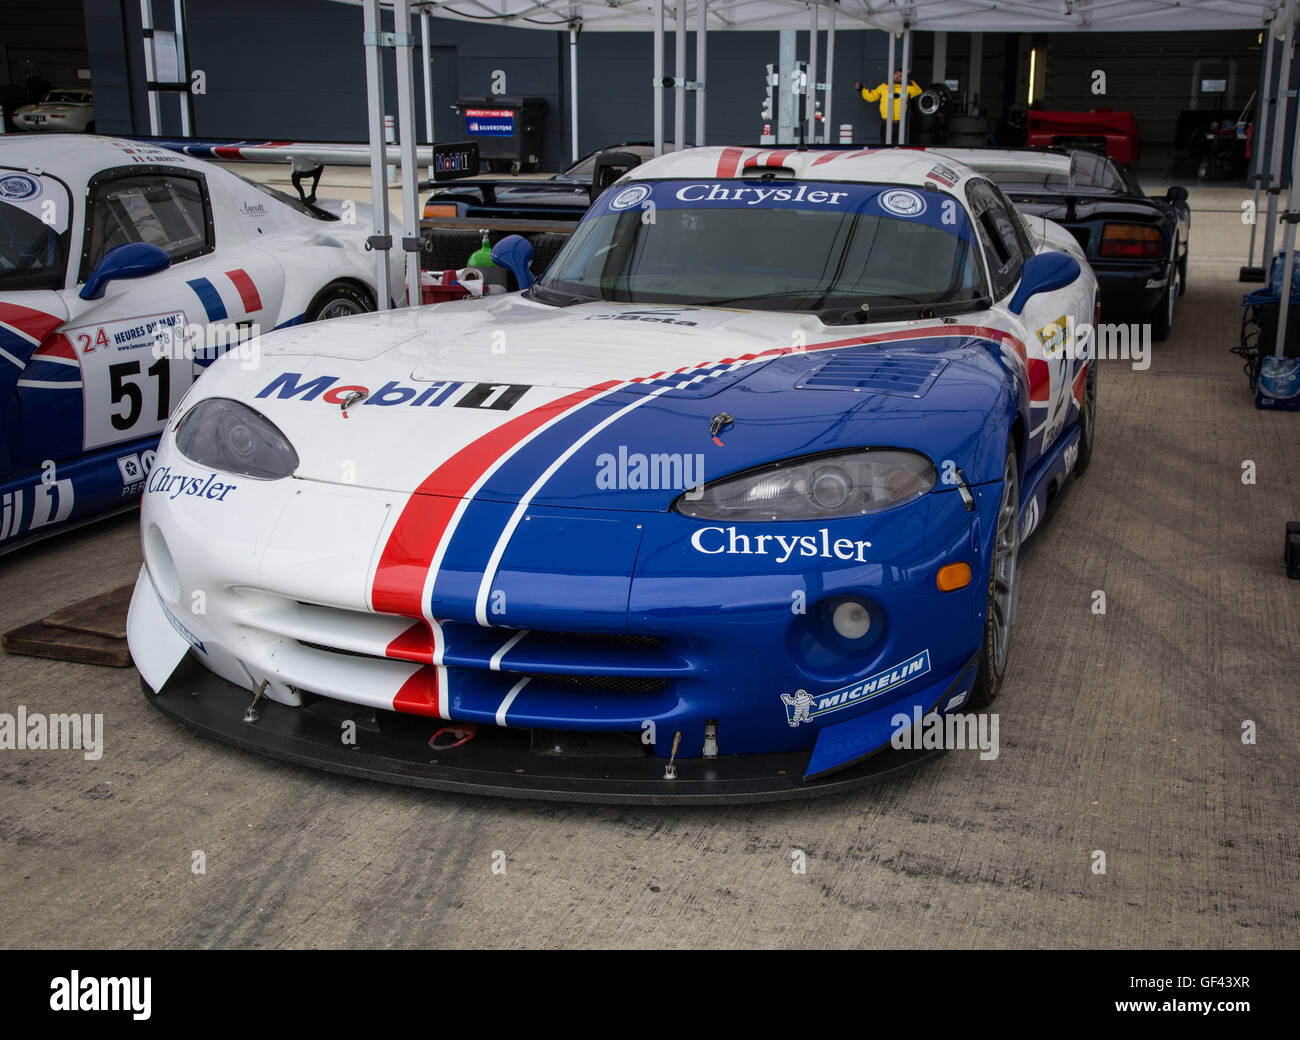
[(1087, 421), (1001, 605), (1162, 316), (338, 301)]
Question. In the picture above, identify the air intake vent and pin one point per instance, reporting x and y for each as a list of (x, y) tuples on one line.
[(903, 375)]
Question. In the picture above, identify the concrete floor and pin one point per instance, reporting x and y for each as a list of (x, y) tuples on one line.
[(1120, 733)]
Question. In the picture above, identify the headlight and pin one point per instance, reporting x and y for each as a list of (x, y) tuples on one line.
[(230, 436), (841, 483)]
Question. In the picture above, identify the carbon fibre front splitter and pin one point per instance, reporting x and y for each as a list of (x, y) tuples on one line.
[(497, 761)]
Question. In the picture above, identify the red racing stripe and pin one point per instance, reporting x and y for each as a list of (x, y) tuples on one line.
[(32, 323), (404, 564), (419, 694), (247, 290), (728, 161), (55, 346)]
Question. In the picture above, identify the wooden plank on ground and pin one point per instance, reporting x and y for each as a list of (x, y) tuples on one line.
[(63, 644), (102, 615)]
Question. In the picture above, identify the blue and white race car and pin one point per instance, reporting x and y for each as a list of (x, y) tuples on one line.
[(700, 516), (125, 268)]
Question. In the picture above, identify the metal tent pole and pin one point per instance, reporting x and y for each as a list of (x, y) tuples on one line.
[(679, 77), (815, 9), (427, 66), (828, 136), (1290, 218), (902, 103), (701, 67), (380, 241), (150, 73), (182, 69), (889, 86), (1258, 146), (404, 41), (573, 85), (659, 77), (1279, 138)]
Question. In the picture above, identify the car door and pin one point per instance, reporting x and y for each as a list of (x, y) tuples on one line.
[(1045, 320), (144, 341)]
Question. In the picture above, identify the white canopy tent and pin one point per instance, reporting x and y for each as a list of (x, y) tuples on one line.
[(897, 17)]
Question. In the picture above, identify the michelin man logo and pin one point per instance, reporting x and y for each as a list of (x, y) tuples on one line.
[(630, 196), (801, 703), (902, 203), (801, 706)]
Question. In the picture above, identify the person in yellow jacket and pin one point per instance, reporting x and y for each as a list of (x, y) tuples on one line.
[(884, 93)]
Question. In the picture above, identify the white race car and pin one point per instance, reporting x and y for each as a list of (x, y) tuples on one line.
[(738, 484), (68, 111), (126, 269)]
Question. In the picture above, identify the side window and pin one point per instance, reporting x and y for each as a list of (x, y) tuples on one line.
[(168, 210), (1000, 235)]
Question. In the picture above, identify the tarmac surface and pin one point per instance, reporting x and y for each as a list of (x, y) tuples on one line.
[(1121, 733)]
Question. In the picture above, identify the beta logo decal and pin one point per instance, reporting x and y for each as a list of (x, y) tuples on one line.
[(714, 541), (630, 196), (801, 706), (173, 485), (19, 187), (902, 203)]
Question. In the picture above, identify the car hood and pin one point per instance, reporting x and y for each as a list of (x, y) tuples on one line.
[(608, 406)]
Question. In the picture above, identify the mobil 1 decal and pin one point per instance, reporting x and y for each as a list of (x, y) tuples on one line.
[(128, 389)]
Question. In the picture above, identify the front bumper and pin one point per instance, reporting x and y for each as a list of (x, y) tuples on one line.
[(507, 762), (644, 642)]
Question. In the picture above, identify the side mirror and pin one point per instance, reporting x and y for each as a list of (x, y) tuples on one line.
[(1176, 194), (1045, 272), (610, 166), (133, 260)]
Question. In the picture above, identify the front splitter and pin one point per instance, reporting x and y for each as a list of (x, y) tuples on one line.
[(498, 761)]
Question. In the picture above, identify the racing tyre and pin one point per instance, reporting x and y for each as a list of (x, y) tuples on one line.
[(338, 301), (1162, 317), (1003, 574), (447, 250), (545, 246), (1087, 421)]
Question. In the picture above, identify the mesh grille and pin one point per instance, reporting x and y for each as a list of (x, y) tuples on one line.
[(882, 374)]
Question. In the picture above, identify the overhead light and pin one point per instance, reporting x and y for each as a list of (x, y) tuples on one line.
[(1033, 70)]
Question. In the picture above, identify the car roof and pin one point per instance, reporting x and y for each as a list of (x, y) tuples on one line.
[(907, 166), (77, 157)]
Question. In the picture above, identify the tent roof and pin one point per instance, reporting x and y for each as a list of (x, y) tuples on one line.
[(895, 15)]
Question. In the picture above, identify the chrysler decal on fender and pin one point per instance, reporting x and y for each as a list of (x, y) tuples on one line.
[(400, 532)]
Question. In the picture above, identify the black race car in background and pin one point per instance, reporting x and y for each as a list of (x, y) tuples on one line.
[(1137, 246), (565, 196)]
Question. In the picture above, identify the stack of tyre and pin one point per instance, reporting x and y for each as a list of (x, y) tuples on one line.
[(450, 249)]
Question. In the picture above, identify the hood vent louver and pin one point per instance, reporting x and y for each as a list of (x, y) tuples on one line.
[(902, 375)]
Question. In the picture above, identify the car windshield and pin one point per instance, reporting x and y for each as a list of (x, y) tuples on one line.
[(34, 219), (66, 97), (1089, 174), (771, 245)]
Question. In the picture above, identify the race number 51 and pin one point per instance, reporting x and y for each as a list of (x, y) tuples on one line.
[(128, 391)]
